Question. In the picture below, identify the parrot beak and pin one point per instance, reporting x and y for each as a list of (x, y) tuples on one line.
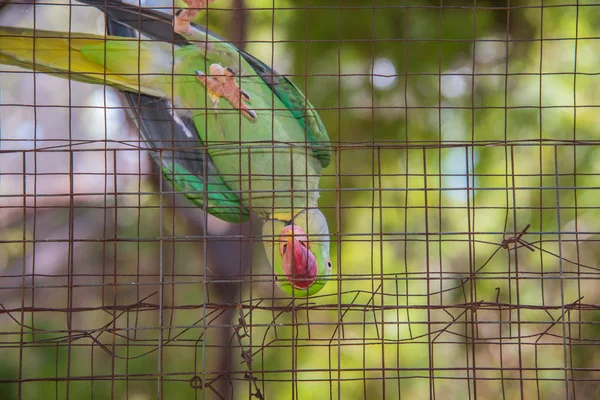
[(299, 263)]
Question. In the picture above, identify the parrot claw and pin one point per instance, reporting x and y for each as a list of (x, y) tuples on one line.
[(221, 83), (245, 95), (184, 16), (229, 71), (249, 113)]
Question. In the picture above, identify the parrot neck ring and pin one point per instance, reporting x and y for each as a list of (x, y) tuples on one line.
[(299, 263), (221, 83)]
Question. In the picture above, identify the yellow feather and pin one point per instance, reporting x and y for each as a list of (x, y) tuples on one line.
[(64, 55)]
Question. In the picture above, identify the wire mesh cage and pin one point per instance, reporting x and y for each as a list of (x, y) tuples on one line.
[(451, 147)]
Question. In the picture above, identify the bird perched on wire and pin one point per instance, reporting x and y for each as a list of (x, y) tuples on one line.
[(265, 158)]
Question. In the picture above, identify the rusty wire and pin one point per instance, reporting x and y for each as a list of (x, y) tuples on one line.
[(121, 296)]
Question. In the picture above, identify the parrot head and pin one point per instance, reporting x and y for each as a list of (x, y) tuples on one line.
[(298, 250)]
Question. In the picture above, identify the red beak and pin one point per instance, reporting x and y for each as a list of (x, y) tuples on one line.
[(299, 263)]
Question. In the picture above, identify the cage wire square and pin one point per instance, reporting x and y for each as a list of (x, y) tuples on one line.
[(461, 199)]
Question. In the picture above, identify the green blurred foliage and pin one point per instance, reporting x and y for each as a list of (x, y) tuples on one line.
[(469, 92)]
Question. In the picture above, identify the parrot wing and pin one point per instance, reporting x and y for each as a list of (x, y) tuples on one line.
[(296, 102), (183, 158)]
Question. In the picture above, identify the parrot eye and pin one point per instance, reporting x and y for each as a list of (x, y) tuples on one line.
[(328, 262)]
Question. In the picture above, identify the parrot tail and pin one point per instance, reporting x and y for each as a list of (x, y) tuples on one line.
[(123, 63)]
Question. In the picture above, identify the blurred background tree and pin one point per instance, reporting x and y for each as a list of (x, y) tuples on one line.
[(480, 105)]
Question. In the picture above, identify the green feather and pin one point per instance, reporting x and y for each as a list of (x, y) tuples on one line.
[(299, 106), (222, 202)]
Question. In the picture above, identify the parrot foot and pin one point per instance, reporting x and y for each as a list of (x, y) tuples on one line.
[(184, 16), (221, 83)]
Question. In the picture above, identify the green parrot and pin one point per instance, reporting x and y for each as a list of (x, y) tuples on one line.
[(250, 141)]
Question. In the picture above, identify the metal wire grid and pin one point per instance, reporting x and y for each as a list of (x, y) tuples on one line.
[(128, 314)]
